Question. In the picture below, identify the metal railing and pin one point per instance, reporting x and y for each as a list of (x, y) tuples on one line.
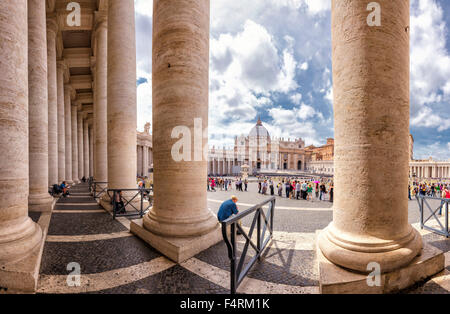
[(120, 209), (90, 180), (237, 269), (426, 209), (97, 189)]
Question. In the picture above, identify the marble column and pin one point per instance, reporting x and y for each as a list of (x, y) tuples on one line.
[(19, 235), (91, 149), (180, 95), (80, 145), (139, 160), (38, 199), (68, 132), (121, 109), (75, 176), (100, 107), (145, 161), (85, 149), (371, 114), (61, 67), (52, 102)]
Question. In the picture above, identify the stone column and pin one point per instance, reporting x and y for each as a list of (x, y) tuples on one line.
[(38, 199), (180, 95), (85, 148), (139, 160), (100, 107), (91, 149), (80, 145), (121, 111), (145, 162), (68, 132), (52, 102), (371, 112), (61, 66), (19, 235), (75, 176)]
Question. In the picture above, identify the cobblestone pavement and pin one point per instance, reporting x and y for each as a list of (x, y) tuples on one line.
[(112, 260)]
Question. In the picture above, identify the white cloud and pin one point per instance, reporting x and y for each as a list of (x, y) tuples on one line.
[(426, 118), (144, 7), (296, 98), (435, 150), (430, 60), (304, 66), (144, 103)]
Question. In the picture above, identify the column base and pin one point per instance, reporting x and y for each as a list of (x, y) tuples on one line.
[(41, 203), (334, 279), (22, 276), (177, 249)]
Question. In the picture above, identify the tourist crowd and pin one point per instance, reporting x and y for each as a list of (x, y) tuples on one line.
[(292, 188), (438, 189)]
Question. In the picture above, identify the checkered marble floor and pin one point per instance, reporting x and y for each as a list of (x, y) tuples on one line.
[(112, 260)]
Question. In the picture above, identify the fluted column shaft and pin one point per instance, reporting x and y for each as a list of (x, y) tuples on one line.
[(121, 111), (75, 176), (52, 103), (61, 123), (68, 132), (371, 114), (19, 235), (180, 96), (100, 107), (80, 145), (39, 199)]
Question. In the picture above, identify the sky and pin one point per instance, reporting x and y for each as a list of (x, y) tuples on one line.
[(272, 58)]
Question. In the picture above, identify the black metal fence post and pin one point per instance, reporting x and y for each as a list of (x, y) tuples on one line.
[(233, 259), (258, 233), (237, 269)]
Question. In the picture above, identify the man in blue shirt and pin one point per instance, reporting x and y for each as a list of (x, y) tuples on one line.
[(227, 209)]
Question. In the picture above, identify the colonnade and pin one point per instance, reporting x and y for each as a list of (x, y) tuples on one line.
[(99, 139), (144, 160), (427, 170)]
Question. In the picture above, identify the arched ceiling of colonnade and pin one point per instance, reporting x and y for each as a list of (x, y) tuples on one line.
[(272, 58)]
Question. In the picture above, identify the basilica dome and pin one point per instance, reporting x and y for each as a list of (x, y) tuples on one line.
[(259, 130)]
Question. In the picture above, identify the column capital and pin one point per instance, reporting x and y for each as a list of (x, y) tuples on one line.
[(61, 64), (101, 20), (52, 25)]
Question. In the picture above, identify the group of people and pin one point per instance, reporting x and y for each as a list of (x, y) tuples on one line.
[(297, 189), (440, 190), (58, 189), (226, 184)]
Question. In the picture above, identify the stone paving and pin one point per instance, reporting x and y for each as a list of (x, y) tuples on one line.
[(112, 260)]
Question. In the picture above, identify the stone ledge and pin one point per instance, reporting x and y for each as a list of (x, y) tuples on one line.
[(177, 249), (22, 276), (43, 208), (337, 280)]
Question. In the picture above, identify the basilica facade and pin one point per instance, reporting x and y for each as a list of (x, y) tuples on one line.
[(264, 154), (258, 150)]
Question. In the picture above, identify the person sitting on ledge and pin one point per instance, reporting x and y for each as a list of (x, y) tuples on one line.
[(64, 189), (83, 179)]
